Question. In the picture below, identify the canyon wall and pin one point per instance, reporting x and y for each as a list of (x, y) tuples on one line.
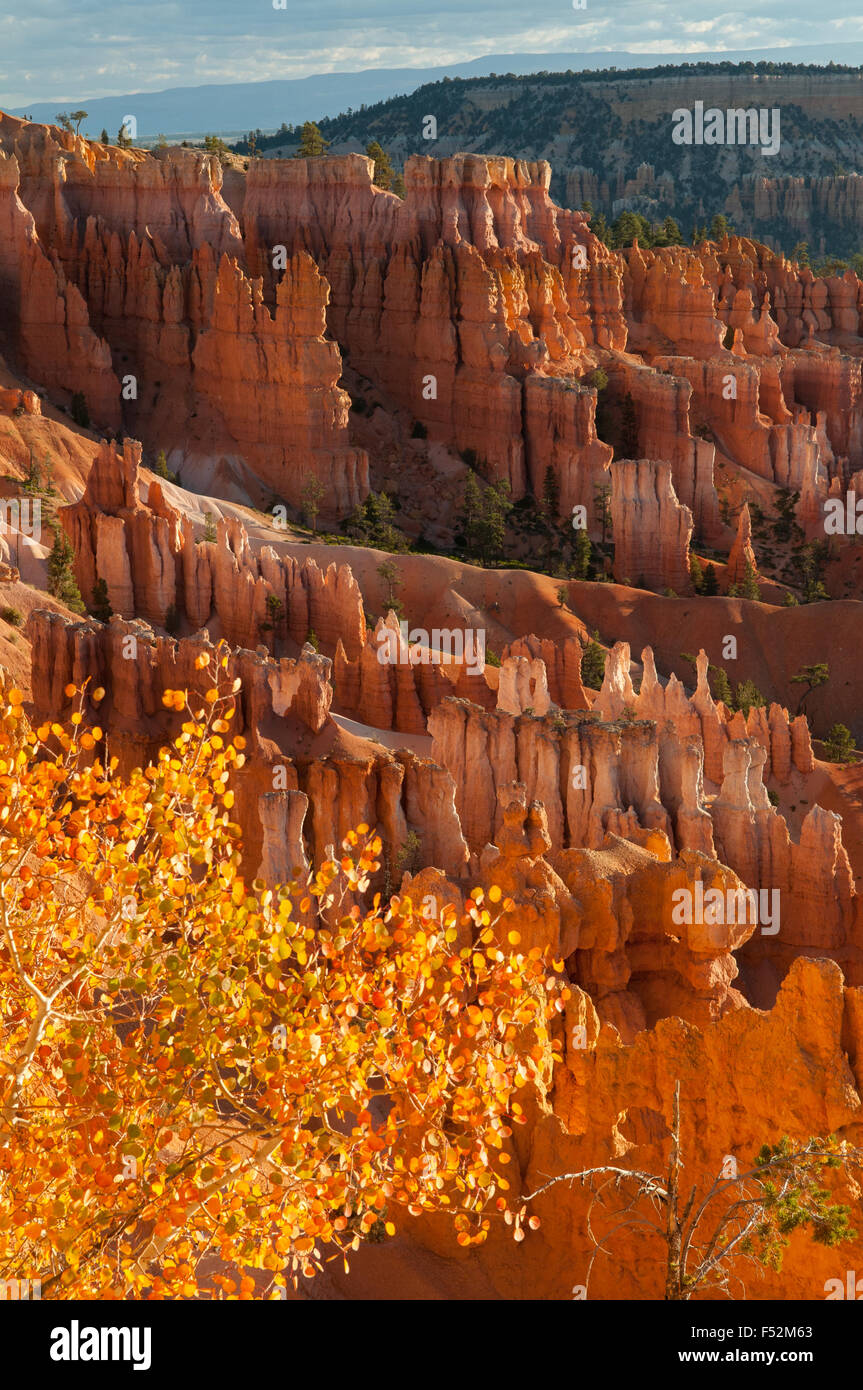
[(213, 314), (156, 567)]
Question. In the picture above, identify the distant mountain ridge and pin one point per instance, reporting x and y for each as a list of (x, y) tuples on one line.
[(608, 138), (239, 107)]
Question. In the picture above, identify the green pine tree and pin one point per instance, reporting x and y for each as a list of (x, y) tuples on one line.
[(672, 232), (627, 228), (311, 495), (813, 558), (312, 142), (600, 228), (33, 480), (471, 505), (373, 523), (593, 663), (602, 507), (61, 580), (720, 686), (583, 555), (749, 588), (747, 696), (839, 744), (389, 574), (275, 613), (101, 604), (384, 172), (811, 677), (491, 524), (550, 495), (710, 585)]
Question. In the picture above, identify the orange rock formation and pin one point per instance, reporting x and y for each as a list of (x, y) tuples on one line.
[(215, 317)]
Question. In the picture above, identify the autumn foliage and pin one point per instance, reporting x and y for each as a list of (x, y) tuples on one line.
[(201, 1093)]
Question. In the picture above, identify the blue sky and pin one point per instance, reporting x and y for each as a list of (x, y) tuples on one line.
[(52, 51)]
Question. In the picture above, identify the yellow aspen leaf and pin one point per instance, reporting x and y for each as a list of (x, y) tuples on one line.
[(214, 962)]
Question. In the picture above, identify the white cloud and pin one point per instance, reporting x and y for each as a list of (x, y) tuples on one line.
[(96, 51)]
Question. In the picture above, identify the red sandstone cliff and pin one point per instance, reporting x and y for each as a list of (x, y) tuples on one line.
[(475, 305)]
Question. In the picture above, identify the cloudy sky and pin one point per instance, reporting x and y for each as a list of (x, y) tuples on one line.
[(90, 48)]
